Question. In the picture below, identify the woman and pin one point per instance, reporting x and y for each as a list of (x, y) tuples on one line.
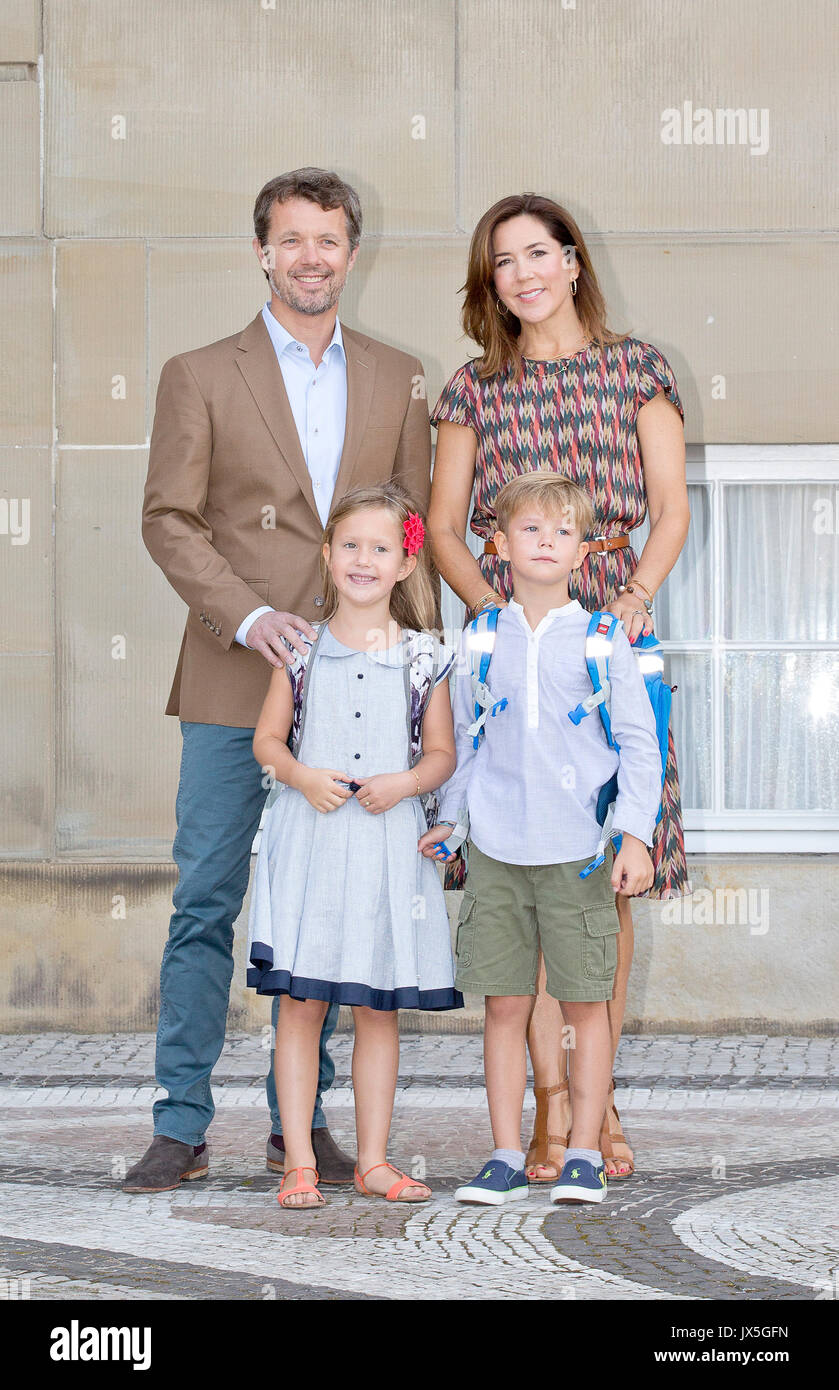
[(555, 388)]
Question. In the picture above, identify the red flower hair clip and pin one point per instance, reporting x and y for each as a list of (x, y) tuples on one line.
[(414, 533)]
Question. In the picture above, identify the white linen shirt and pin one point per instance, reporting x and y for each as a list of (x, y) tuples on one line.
[(531, 788), (318, 400)]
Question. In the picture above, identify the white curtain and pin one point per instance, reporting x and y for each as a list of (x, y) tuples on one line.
[(781, 709), (781, 543), (684, 603), (781, 715)]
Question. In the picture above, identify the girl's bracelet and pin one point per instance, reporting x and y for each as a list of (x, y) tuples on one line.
[(416, 774)]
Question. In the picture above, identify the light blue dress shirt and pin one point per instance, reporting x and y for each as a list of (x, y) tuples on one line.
[(318, 400), (530, 790)]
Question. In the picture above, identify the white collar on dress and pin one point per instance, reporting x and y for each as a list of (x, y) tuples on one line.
[(390, 656)]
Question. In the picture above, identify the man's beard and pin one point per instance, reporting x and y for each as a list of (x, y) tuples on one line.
[(308, 304)]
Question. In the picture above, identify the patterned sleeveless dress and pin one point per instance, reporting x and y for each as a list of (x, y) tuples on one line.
[(577, 416)]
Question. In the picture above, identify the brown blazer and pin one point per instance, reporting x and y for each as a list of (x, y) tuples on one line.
[(224, 447)]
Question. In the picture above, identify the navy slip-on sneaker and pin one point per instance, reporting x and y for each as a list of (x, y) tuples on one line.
[(495, 1184), (580, 1181)]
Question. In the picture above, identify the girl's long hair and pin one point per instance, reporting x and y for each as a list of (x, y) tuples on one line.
[(496, 331), (412, 600)]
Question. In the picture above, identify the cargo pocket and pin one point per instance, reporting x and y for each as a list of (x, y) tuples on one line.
[(466, 925), (600, 941)]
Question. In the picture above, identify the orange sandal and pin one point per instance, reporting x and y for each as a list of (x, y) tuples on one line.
[(393, 1194), (609, 1141), (538, 1155), (300, 1186)]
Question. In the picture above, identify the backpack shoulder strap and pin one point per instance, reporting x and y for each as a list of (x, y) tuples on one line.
[(299, 676), (420, 673), (480, 644), (599, 638)]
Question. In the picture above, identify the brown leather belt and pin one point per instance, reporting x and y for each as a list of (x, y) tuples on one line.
[(606, 543)]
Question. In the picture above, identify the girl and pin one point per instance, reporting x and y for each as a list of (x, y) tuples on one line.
[(344, 907)]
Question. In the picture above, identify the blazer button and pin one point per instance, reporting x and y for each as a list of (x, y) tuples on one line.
[(318, 601), (358, 755)]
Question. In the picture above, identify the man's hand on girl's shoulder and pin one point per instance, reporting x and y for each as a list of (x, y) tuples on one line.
[(276, 636)]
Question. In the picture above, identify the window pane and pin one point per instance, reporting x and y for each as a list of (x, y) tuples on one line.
[(692, 726), (781, 556), (683, 603), (781, 717)]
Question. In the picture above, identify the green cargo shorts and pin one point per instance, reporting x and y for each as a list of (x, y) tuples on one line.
[(511, 911)]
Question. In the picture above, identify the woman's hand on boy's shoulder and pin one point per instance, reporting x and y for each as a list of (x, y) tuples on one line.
[(636, 621), (633, 871)]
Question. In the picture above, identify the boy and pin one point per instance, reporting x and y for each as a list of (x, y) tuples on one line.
[(529, 794)]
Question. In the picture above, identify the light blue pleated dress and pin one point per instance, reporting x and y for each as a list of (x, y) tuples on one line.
[(343, 905)]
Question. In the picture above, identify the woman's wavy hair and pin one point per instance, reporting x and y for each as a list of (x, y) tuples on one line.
[(496, 331), (412, 600)]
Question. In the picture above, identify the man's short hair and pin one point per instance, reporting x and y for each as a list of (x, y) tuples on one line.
[(319, 186)]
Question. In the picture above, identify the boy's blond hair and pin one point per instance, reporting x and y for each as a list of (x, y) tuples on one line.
[(547, 492)]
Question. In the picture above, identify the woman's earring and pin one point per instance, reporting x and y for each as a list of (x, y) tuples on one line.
[(502, 308), (573, 288)]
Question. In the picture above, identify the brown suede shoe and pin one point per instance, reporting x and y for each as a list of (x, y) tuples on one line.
[(165, 1164), (334, 1166)]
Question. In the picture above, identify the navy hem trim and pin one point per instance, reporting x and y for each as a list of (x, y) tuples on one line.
[(333, 992)]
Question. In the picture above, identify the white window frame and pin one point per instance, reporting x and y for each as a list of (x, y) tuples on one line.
[(764, 832)]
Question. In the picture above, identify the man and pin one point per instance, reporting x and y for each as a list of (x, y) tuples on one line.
[(253, 437)]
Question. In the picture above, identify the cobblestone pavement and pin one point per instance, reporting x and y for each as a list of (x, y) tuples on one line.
[(735, 1196)]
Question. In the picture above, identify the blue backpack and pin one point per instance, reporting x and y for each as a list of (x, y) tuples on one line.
[(480, 643)]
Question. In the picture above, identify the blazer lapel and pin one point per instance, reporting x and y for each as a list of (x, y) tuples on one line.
[(361, 379), (258, 364)]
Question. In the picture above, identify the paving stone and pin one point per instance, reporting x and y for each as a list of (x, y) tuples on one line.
[(728, 1201)]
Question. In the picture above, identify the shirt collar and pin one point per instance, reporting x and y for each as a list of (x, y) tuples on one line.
[(283, 341), (392, 656), (573, 606), (567, 609)]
